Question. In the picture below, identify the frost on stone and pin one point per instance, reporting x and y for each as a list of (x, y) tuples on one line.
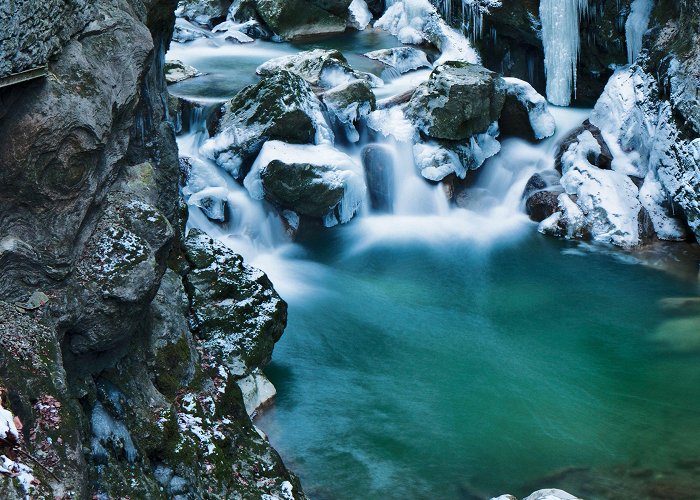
[(109, 433), (392, 122), (418, 21), (402, 59), (359, 15), (541, 120), (318, 181), (231, 32)]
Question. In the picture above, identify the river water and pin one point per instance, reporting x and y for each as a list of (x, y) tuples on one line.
[(452, 353)]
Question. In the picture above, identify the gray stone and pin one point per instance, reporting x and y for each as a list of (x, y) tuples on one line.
[(459, 100)]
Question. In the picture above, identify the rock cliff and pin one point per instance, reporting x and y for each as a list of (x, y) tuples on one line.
[(117, 385)]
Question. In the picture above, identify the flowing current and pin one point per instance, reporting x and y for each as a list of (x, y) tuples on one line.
[(442, 352)]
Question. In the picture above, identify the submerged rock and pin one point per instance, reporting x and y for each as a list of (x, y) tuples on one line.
[(378, 164), (281, 107), (318, 181), (525, 112), (320, 67), (348, 104), (459, 100)]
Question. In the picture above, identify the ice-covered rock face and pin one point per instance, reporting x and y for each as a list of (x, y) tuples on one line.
[(318, 181), (281, 107), (645, 142), (525, 112), (402, 59), (459, 100), (417, 21), (202, 12), (319, 67), (359, 15), (348, 104)]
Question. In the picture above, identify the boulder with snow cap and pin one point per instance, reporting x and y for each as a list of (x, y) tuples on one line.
[(281, 107), (460, 100), (317, 181), (525, 112), (319, 67)]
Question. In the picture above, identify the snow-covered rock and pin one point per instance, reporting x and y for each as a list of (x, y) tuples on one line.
[(231, 32), (402, 59), (645, 142), (359, 15), (348, 104), (417, 21), (436, 162), (320, 67), (185, 31), (280, 107), (318, 181), (177, 71), (608, 199), (521, 97)]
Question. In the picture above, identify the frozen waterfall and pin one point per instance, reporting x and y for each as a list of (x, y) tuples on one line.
[(561, 41), (637, 23)]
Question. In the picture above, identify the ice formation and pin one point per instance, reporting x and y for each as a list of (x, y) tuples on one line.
[(561, 41), (418, 21), (360, 16), (403, 59), (637, 23)]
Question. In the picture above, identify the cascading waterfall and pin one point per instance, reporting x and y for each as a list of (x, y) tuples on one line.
[(561, 41), (637, 23)]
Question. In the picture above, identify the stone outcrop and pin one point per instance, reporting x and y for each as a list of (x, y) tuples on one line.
[(120, 388)]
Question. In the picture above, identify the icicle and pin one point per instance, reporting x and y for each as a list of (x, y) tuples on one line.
[(561, 41), (637, 23)]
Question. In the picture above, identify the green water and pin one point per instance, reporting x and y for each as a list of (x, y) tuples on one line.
[(447, 368)]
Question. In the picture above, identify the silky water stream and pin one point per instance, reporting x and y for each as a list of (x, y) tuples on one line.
[(457, 353)]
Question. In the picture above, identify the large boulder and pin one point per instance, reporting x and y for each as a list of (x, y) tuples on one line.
[(281, 107), (236, 313), (319, 67), (348, 104), (317, 181), (294, 18), (459, 100)]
